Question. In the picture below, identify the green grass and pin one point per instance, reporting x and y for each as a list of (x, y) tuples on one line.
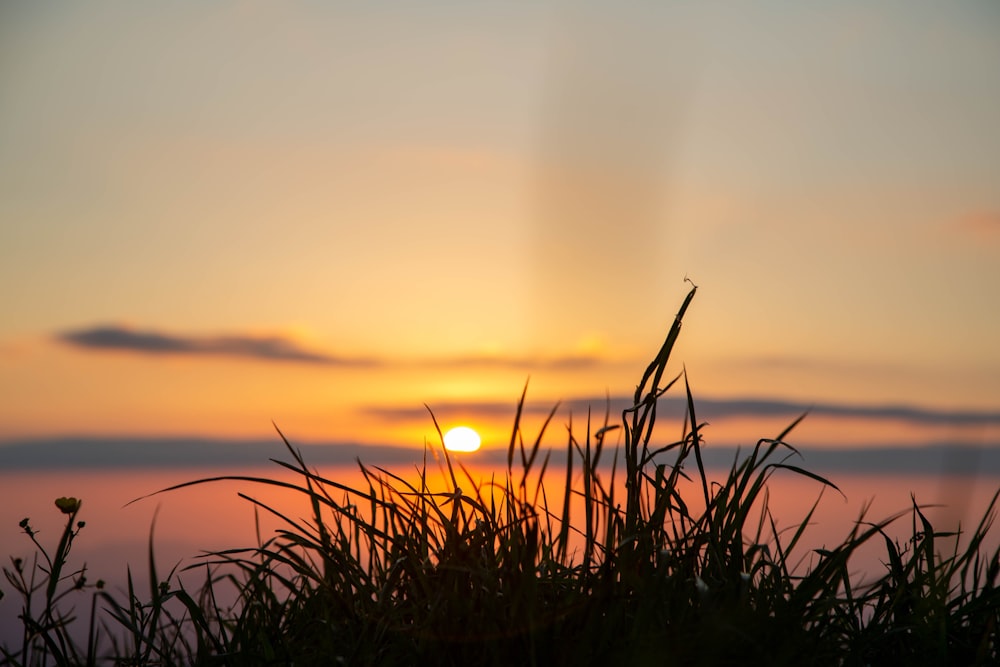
[(497, 572)]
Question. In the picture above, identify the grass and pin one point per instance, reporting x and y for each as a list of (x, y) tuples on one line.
[(497, 572)]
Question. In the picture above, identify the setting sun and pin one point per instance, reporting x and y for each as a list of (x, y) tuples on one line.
[(461, 439)]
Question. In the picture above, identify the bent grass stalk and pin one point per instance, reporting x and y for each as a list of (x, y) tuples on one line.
[(496, 572)]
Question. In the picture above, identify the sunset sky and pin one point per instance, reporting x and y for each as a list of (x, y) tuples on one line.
[(215, 215)]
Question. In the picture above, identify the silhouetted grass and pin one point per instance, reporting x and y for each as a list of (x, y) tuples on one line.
[(496, 572)]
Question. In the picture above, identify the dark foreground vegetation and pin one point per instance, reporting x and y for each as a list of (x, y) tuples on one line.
[(498, 573)]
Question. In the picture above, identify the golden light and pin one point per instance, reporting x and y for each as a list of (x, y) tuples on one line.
[(461, 439)]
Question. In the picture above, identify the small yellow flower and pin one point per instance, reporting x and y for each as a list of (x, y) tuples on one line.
[(68, 505)]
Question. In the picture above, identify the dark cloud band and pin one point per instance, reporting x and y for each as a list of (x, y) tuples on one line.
[(275, 348), (710, 409), (272, 348)]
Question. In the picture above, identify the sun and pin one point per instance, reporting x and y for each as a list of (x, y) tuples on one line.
[(462, 439)]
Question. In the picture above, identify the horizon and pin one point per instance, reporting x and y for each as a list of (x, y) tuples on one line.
[(726, 424), (947, 459)]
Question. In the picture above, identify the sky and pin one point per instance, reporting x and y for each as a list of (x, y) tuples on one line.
[(329, 215)]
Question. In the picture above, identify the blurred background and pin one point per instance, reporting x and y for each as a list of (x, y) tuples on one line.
[(329, 214)]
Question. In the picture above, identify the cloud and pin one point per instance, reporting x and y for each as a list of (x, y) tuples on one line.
[(706, 410), (982, 225), (268, 348), (911, 414), (277, 348), (137, 452), (151, 452)]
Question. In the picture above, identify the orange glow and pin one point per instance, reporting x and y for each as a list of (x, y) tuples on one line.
[(558, 232)]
